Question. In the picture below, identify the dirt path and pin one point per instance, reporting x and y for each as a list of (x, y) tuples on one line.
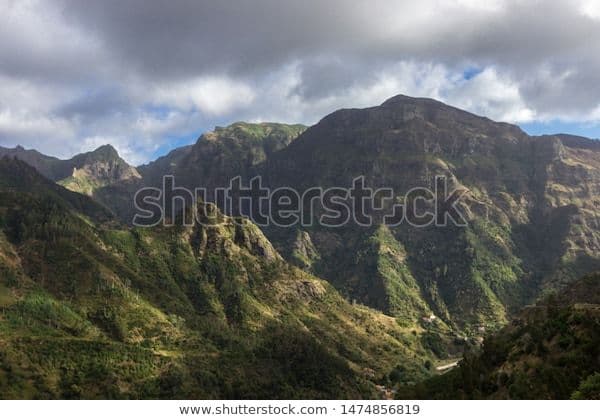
[(448, 366)]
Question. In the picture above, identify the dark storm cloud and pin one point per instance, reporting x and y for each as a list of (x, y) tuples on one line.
[(101, 70), (183, 38), (96, 103)]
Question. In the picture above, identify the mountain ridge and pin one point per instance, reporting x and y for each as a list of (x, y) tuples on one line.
[(91, 310), (532, 225), (378, 305)]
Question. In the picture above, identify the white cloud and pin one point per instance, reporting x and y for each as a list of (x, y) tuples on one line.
[(490, 94), (210, 95), (590, 8), (76, 73), (485, 6), (18, 125), (487, 93)]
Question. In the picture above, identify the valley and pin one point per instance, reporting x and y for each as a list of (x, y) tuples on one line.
[(93, 307)]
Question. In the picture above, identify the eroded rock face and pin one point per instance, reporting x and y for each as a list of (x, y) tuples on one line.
[(530, 202), (304, 252), (230, 236), (98, 169)]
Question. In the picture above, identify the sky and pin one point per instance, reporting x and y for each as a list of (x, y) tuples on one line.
[(148, 75)]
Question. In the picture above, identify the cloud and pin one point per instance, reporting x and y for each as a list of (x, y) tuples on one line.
[(20, 124), (590, 8), (210, 95), (142, 72), (491, 94)]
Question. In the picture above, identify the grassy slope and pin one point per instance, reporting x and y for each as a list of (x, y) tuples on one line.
[(90, 311)]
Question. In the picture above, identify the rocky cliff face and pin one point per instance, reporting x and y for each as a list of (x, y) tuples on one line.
[(531, 205), (98, 169), (222, 154), (530, 202)]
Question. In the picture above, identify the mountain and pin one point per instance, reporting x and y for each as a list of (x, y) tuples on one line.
[(51, 167), (91, 308), (531, 205), (84, 173), (165, 165), (215, 158), (100, 168), (550, 351), (20, 179), (101, 174), (222, 154), (221, 311)]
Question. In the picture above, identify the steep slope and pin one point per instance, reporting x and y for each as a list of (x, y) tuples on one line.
[(222, 154), (18, 179), (97, 169), (530, 204), (215, 158), (82, 173), (154, 171), (51, 167), (101, 174), (195, 311), (550, 351)]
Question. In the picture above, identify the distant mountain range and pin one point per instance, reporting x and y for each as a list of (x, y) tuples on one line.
[(532, 206), (84, 172)]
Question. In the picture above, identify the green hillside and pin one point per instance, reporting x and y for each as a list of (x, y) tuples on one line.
[(95, 310), (550, 351)]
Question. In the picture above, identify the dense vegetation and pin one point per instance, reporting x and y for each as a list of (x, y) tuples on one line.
[(93, 309), (551, 351)]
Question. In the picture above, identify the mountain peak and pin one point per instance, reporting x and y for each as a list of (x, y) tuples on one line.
[(105, 152), (404, 99), (94, 170), (440, 112), (428, 108), (106, 147), (259, 131), (401, 111)]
